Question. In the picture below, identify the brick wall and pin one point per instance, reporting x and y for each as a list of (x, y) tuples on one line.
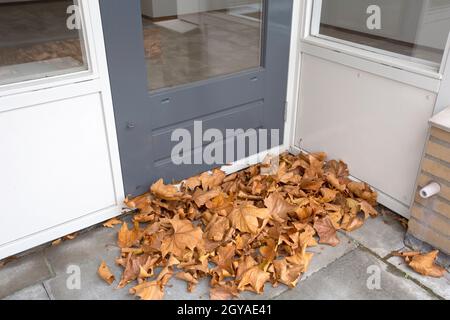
[(430, 218)]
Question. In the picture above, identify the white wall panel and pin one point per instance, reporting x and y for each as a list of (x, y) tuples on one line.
[(54, 165), (377, 125)]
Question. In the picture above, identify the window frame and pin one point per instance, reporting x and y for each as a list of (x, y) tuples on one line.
[(311, 36), (87, 35)]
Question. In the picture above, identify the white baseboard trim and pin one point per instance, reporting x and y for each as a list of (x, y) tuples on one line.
[(58, 231), (249, 161)]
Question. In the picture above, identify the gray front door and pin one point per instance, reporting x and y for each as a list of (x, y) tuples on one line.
[(173, 62)]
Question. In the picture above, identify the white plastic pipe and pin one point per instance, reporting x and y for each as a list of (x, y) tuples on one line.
[(430, 190)]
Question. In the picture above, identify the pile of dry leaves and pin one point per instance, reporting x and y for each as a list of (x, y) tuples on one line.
[(241, 230)]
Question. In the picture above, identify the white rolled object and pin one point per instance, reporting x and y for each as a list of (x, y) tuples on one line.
[(430, 190)]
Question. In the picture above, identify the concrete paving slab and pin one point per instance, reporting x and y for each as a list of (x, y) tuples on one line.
[(91, 287), (347, 278), (440, 286), (99, 243), (84, 255), (22, 273), (324, 255), (36, 292), (381, 235)]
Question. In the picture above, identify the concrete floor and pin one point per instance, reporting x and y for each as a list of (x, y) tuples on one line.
[(343, 272)]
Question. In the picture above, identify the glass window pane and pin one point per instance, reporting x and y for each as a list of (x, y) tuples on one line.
[(39, 39), (192, 40), (417, 29)]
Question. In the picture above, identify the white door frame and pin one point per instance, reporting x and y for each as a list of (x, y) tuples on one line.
[(37, 92)]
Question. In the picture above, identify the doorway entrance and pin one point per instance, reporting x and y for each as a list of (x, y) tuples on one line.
[(176, 63)]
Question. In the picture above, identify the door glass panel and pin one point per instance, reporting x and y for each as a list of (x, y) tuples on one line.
[(414, 29), (39, 39), (191, 40)]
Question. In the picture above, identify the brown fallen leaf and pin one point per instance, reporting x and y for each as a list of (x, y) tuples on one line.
[(287, 274), (245, 218), (192, 183), (70, 237), (166, 192), (326, 231), (368, 209), (200, 197), (111, 223), (254, 280), (223, 293), (184, 236), (425, 264), (127, 238), (212, 180), (148, 291), (278, 207), (105, 273), (56, 242)]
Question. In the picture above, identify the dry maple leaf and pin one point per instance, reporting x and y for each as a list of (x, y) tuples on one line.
[(148, 291), (278, 207), (245, 218), (368, 209), (127, 238), (166, 192), (56, 242), (424, 264), (217, 228), (328, 195), (363, 191), (133, 268), (212, 180), (352, 223), (192, 183), (286, 273), (338, 168), (335, 183), (223, 293), (253, 280), (185, 235), (105, 273), (326, 231), (224, 261), (112, 222), (200, 197)]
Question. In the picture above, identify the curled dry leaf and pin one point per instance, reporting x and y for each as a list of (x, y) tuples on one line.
[(185, 235), (223, 293), (245, 218), (253, 280), (166, 192), (425, 264), (326, 231), (111, 223), (127, 238), (105, 273), (278, 207), (56, 242), (148, 291), (368, 209)]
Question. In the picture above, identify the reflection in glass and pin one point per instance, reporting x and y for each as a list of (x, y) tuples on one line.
[(191, 40), (417, 29), (39, 39)]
